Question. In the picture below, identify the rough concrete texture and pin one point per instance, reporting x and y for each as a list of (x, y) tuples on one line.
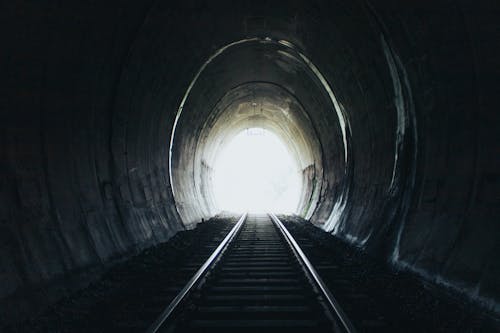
[(400, 96)]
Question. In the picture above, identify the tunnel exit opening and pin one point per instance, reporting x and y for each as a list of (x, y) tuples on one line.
[(210, 116), (255, 172)]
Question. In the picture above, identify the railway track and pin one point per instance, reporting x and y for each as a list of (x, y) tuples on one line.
[(257, 280)]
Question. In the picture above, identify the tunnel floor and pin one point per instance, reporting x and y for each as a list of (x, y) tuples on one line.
[(131, 294)]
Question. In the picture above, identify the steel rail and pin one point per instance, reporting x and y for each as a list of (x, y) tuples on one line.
[(196, 277), (332, 302)]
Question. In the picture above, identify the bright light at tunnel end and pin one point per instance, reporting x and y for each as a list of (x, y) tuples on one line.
[(255, 172)]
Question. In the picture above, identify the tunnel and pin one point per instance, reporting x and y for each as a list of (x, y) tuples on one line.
[(114, 114)]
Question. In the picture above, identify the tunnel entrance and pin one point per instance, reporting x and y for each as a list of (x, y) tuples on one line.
[(255, 172), (274, 87)]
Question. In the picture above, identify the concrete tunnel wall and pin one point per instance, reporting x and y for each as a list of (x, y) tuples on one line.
[(91, 93), (249, 105)]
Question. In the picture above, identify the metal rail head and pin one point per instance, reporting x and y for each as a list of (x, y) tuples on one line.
[(196, 277), (332, 302)]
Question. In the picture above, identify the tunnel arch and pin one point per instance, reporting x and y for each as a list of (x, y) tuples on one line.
[(277, 111), (277, 57)]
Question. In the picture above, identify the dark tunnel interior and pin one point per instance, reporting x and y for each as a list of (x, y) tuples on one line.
[(113, 114)]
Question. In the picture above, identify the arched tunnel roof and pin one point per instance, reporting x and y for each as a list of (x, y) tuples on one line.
[(251, 83), (114, 113)]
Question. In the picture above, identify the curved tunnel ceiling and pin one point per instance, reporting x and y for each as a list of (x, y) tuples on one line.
[(253, 83), (389, 106), (272, 108)]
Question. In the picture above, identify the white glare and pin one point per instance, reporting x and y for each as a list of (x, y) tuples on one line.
[(256, 173)]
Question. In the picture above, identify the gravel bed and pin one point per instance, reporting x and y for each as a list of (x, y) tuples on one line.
[(377, 297)]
